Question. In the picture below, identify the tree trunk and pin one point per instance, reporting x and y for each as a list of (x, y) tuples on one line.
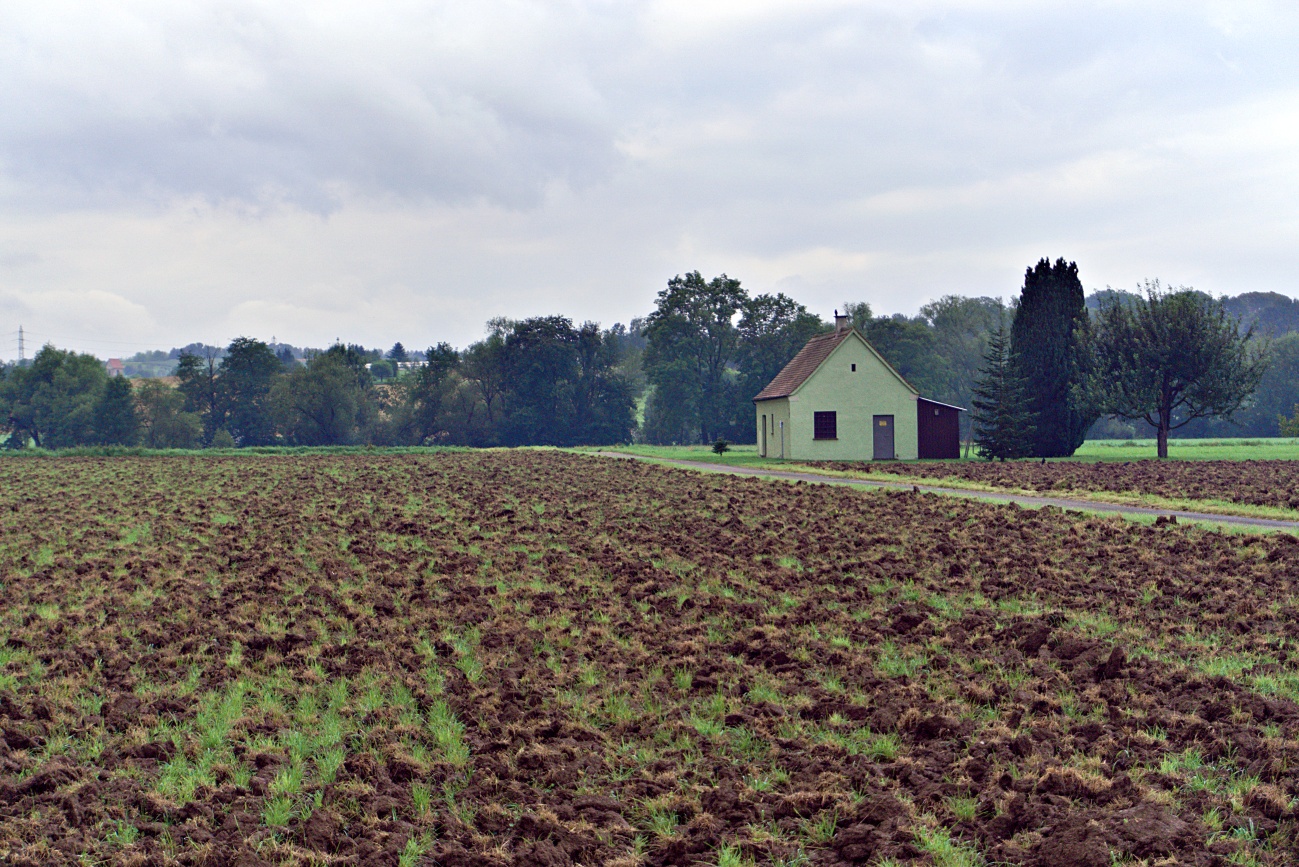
[(1164, 423)]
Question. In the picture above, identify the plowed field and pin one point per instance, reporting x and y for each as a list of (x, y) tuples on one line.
[(541, 658), (1254, 483)]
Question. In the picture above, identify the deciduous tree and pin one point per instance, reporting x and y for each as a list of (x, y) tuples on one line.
[(425, 393), (692, 342), (604, 409), (1289, 427), (244, 380), (908, 344), (198, 376), (327, 402), (541, 363), (164, 422), (52, 401), (483, 366), (1171, 357), (116, 421), (773, 328), (961, 328)]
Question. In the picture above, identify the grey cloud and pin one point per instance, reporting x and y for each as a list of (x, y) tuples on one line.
[(273, 104), (521, 157), (260, 103), (951, 101)]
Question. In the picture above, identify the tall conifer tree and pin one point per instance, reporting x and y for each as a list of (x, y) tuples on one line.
[(1003, 423), (1047, 349)]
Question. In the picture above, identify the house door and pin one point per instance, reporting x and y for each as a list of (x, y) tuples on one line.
[(883, 428), (762, 446)]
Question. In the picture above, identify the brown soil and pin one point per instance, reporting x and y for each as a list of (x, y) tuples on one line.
[(647, 665), (1254, 483)]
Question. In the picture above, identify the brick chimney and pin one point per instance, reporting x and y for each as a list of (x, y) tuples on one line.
[(841, 323)]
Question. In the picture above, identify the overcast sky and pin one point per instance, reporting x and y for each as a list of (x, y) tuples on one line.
[(382, 171)]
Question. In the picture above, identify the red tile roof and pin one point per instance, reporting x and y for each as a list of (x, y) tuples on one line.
[(803, 365)]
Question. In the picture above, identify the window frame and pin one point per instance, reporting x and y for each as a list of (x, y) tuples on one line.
[(825, 421)]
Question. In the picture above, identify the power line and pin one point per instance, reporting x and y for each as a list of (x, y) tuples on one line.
[(130, 344)]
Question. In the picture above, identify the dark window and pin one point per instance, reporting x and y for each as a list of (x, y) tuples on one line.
[(854, 368), (825, 426)]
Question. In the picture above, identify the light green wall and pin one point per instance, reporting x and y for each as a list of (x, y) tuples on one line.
[(776, 412), (856, 397)]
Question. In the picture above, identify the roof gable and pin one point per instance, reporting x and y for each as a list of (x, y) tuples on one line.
[(803, 365), (811, 357)]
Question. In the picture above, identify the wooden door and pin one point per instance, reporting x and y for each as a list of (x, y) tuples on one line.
[(883, 437)]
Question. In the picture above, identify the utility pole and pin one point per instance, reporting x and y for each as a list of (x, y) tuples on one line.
[(21, 354)]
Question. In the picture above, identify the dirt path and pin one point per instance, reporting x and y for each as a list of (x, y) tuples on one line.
[(991, 496)]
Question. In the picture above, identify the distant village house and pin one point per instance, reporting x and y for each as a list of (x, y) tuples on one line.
[(839, 400)]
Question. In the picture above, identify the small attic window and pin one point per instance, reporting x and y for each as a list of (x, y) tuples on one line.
[(854, 368)]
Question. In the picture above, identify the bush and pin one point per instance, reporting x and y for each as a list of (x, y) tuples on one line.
[(721, 447), (222, 440), (1289, 427)]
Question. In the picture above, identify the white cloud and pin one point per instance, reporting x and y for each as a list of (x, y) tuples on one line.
[(404, 170)]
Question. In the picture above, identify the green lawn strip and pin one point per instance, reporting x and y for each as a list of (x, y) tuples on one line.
[(1222, 448), (735, 456), (1093, 451)]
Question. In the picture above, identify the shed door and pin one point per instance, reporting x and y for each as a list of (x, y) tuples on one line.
[(883, 436)]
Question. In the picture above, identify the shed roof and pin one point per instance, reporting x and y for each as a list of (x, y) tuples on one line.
[(940, 403)]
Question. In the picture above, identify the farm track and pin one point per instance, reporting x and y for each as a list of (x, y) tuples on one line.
[(543, 658), (1026, 500)]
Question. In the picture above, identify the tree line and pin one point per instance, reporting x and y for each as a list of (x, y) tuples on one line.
[(530, 382), (685, 373), (1166, 358)]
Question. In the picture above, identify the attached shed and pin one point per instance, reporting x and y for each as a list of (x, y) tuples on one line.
[(939, 428), (838, 399)]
